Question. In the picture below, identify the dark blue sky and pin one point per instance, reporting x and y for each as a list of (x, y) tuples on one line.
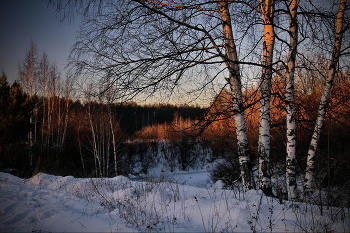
[(23, 21)]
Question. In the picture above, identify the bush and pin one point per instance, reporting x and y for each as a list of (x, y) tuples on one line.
[(227, 170)]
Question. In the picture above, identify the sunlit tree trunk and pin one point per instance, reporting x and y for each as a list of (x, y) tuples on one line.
[(290, 107), (309, 176), (236, 90), (267, 11)]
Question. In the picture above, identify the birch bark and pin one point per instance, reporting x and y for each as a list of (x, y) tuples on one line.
[(309, 175), (236, 90), (267, 11), (113, 140), (290, 106), (95, 149)]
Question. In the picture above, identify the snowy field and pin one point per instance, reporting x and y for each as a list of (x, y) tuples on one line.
[(170, 202)]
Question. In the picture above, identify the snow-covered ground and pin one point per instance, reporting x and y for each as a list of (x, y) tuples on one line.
[(169, 202)]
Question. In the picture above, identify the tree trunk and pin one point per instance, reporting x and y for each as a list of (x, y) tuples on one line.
[(113, 140), (231, 60), (267, 11), (94, 145), (80, 151), (28, 77), (290, 107), (309, 176)]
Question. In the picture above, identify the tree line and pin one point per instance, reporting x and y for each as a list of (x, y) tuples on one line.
[(58, 133)]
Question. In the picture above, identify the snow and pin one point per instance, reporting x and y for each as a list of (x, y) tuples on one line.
[(170, 202)]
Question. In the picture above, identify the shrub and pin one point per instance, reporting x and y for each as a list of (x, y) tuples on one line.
[(227, 170)]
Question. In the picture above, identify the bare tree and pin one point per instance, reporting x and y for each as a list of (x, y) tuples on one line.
[(291, 182), (94, 134), (236, 89), (28, 74), (44, 66), (161, 46), (340, 28), (268, 14), (113, 124), (28, 70)]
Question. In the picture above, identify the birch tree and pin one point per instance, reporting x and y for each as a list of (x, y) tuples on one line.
[(290, 103), (94, 135), (340, 28), (112, 126), (28, 70), (28, 75), (236, 89), (267, 12), (166, 48), (44, 67)]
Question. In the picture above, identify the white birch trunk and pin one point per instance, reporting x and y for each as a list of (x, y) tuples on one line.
[(67, 106), (309, 176), (113, 140), (290, 107), (44, 72), (234, 80), (102, 143), (43, 123), (107, 145), (49, 110), (267, 11), (94, 145), (28, 78), (66, 117), (59, 130), (79, 145)]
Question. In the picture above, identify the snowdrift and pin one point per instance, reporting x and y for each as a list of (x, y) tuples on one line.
[(171, 202)]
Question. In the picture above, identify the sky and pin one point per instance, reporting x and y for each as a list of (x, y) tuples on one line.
[(23, 21)]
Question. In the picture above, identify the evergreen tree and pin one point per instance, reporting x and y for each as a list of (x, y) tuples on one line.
[(15, 109)]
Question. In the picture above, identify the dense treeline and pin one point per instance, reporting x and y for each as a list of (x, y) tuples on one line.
[(134, 117)]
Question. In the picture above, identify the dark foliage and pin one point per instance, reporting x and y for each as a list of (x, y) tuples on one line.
[(227, 170), (68, 150), (134, 117), (15, 111)]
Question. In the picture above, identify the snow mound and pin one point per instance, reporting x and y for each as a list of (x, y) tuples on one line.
[(173, 202)]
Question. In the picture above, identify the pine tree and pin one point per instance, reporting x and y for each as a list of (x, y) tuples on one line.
[(16, 107)]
